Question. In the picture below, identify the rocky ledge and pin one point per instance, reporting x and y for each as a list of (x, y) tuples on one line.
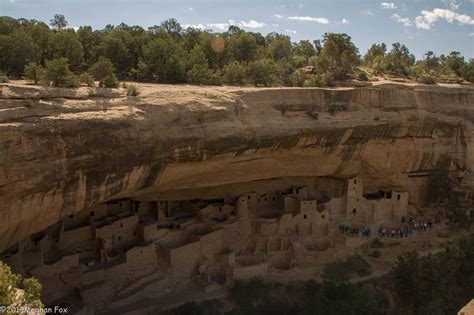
[(64, 150)]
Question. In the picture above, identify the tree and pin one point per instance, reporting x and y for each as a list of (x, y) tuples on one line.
[(165, 60), (34, 72), (172, 27), (468, 71), (58, 22), (16, 50), (339, 56), (279, 46), (18, 291), (453, 63), (65, 44), (375, 57), (399, 60), (242, 46), (104, 72), (59, 74), (304, 48), (261, 72), (199, 72), (234, 73)]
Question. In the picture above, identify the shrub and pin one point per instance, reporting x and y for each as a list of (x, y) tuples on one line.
[(132, 90), (34, 72), (216, 78), (104, 71), (87, 79), (234, 73), (110, 82), (199, 74), (4, 78), (426, 79), (261, 72), (362, 76), (58, 73), (318, 80), (298, 78), (313, 115), (10, 283)]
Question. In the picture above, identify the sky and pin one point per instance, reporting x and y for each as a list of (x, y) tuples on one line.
[(441, 26)]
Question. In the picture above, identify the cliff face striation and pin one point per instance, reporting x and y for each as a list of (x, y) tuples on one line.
[(64, 150)]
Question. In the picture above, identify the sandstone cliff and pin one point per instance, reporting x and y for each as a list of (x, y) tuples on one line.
[(63, 150)]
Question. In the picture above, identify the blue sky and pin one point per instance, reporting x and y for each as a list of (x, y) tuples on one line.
[(437, 25)]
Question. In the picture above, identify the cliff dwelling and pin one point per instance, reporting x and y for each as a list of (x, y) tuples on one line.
[(142, 204)]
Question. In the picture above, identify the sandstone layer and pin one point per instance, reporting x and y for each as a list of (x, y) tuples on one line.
[(64, 150)]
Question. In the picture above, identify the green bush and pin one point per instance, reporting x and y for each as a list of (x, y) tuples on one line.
[(87, 79), (234, 73), (362, 76), (298, 78), (318, 80), (4, 78), (426, 79), (10, 283), (34, 72), (110, 82), (58, 73), (261, 72), (199, 74), (132, 90), (313, 115), (104, 71)]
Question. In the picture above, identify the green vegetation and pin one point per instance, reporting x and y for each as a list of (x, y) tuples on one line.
[(34, 72), (132, 90), (343, 270), (313, 115), (434, 284), (167, 53), (10, 284), (308, 297)]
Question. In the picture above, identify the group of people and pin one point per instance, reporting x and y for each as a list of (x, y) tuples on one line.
[(410, 226)]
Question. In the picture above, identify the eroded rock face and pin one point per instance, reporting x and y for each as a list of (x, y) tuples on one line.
[(65, 150)]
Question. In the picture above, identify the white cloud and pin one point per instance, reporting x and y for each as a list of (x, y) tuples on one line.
[(321, 20), (471, 34), (345, 21), (388, 5), (427, 19), (278, 16), (190, 9), (12, 1), (219, 26), (291, 31), (252, 24), (275, 25), (367, 12), (399, 19), (201, 26), (301, 5)]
